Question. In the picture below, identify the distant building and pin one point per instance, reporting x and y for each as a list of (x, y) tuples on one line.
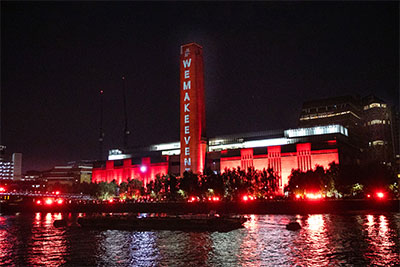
[(379, 129), (70, 174), (17, 162), (10, 169), (371, 123)]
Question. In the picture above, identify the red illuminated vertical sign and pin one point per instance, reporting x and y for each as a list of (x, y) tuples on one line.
[(192, 109)]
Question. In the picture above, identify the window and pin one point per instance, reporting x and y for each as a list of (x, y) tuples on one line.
[(376, 122), (374, 105), (378, 143)]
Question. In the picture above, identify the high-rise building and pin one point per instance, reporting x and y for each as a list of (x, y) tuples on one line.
[(379, 129), (369, 120), (10, 169), (17, 162)]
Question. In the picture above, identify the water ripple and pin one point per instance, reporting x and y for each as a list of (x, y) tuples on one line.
[(363, 239)]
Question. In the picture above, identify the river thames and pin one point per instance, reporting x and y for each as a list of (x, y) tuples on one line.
[(325, 239)]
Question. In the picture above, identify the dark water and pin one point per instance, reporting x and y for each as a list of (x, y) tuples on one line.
[(364, 239)]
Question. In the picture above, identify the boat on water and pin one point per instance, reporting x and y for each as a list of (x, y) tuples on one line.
[(208, 222)]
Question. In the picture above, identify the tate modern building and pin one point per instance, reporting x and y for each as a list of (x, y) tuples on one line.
[(281, 150)]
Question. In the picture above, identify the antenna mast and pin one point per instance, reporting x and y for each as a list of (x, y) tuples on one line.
[(126, 130), (101, 133)]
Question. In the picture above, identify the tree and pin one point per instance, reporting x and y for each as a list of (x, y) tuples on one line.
[(107, 190), (189, 183), (134, 188)]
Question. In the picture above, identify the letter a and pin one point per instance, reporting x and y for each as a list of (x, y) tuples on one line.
[(187, 98)]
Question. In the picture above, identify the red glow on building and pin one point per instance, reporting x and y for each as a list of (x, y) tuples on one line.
[(192, 109), (146, 171), (282, 163), (2, 189)]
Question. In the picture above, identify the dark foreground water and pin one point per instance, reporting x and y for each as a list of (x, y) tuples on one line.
[(364, 239)]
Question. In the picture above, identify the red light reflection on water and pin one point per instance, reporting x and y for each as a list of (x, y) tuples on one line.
[(48, 245), (381, 249), (6, 240), (315, 224), (315, 243), (251, 223)]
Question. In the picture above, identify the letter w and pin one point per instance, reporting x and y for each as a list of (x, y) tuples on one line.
[(186, 63)]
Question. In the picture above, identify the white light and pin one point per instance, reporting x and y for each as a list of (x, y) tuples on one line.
[(117, 157), (166, 146), (329, 129), (143, 168), (250, 144), (171, 152)]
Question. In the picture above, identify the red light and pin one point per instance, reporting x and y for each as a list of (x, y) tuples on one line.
[(110, 200), (38, 202), (314, 196), (60, 201), (57, 192), (209, 198), (251, 197), (215, 198), (192, 199), (368, 196), (48, 201), (380, 195), (297, 196), (245, 198), (2, 189)]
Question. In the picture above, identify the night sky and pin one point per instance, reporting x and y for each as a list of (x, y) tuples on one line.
[(262, 60)]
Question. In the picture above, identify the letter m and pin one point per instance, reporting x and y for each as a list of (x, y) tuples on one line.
[(186, 86)]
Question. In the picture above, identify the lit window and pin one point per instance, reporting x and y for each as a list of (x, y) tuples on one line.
[(376, 122), (378, 143), (374, 105)]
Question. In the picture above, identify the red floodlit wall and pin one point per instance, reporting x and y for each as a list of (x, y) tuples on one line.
[(324, 157), (283, 163), (304, 156), (145, 172), (246, 158), (229, 163), (289, 162), (260, 161), (275, 162)]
